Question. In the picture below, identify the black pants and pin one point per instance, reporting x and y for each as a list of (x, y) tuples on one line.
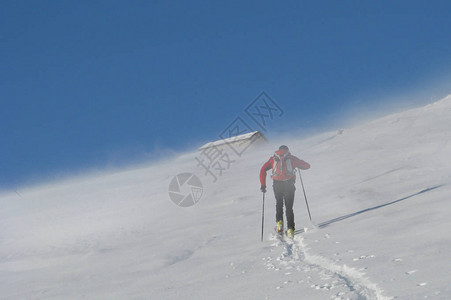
[(284, 192)]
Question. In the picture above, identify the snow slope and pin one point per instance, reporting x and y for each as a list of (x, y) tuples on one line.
[(378, 194)]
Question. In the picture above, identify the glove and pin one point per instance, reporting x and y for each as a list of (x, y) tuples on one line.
[(263, 188)]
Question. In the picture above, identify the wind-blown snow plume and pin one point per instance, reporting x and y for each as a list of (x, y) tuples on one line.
[(379, 193)]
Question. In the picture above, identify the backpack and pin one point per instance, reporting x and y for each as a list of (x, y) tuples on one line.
[(282, 168)]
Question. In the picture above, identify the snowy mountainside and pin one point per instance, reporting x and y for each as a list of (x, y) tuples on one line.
[(378, 195)]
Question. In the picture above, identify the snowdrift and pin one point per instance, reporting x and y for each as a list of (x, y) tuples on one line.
[(378, 194)]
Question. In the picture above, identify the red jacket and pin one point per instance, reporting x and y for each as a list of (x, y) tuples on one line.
[(295, 163)]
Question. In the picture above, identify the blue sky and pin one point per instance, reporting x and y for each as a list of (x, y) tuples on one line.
[(95, 84)]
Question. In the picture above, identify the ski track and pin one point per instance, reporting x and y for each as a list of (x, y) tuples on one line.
[(321, 273)]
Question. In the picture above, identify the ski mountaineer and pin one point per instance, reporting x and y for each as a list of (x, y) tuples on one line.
[(283, 166)]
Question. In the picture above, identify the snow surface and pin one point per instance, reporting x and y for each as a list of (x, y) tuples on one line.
[(378, 194)]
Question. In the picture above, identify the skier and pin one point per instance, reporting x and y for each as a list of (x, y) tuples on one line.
[(283, 166)]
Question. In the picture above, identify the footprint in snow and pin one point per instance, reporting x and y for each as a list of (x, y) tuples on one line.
[(422, 284), (364, 257)]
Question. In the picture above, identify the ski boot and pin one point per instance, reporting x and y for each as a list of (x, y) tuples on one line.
[(279, 227), (290, 233)]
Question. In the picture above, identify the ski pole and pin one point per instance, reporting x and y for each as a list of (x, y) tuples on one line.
[(305, 196), (263, 214)]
